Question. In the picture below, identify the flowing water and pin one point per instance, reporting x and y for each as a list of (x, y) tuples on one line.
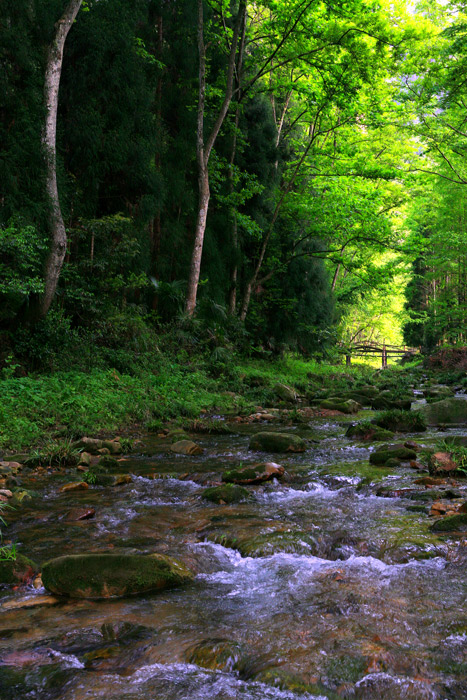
[(319, 588)]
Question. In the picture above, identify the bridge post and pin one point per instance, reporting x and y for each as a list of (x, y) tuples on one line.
[(384, 357), (348, 360)]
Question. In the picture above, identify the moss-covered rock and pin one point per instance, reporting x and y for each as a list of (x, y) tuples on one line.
[(254, 474), (18, 570), (96, 576), (186, 447), (228, 493), (347, 406), (107, 462), (269, 543), (284, 392), (382, 403), (401, 421), (386, 452), (451, 524), (277, 442), (369, 432), (448, 411)]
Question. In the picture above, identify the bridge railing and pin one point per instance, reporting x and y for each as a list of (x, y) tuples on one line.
[(371, 348)]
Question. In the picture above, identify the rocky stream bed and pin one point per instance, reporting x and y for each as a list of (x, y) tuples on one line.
[(327, 582)]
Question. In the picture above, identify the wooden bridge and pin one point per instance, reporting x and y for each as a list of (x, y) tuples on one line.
[(377, 349)]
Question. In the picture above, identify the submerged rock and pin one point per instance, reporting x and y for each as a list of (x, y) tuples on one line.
[(229, 493), (277, 442), (254, 474), (186, 447), (96, 576), (18, 570)]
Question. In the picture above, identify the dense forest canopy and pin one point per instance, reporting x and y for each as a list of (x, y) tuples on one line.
[(280, 173)]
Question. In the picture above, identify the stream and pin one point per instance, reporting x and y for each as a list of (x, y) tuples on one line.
[(320, 587)]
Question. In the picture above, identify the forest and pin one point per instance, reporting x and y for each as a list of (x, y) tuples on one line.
[(233, 349), (304, 160)]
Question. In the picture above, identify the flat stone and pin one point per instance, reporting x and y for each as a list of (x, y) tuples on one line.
[(39, 600), (81, 514), (75, 486)]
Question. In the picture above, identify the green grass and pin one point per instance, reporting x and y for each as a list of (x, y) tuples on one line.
[(36, 408)]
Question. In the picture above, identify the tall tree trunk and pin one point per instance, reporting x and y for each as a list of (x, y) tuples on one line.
[(204, 147), (58, 238)]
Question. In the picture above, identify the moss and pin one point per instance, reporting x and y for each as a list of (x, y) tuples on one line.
[(401, 421), (235, 475), (368, 431), (451, 523), (19, 570), (382, 455), (112, 575), (108, 462), (346, 668), (215, 654), (292, 542), (277, 442), (230, 493)]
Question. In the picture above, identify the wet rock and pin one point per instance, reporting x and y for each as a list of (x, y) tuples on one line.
[(21, 496), (448, 411), (450, 524), (107, 462), (74, 486), (284, 392), (80, 514), (382, 403), (84, 459), (347, 406), (441, 463), (267, 544), (286, 681), (35, 602), (277, 442), (186, 447), (368, 431), (254, 474), (19, 570), (438, 392), (385, 452), (215, 654), (383, 685), (95, 576), (430, 481), (229, 493)]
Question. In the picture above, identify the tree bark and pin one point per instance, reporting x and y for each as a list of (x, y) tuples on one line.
[(58, 237), (204, 147)]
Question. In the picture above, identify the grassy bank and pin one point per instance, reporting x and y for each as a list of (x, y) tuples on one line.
[(72, 404)]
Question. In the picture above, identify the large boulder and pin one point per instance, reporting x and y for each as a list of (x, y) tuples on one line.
[(447, 411), (96, 576), (253, 474), (386, 452), (277, 442)]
